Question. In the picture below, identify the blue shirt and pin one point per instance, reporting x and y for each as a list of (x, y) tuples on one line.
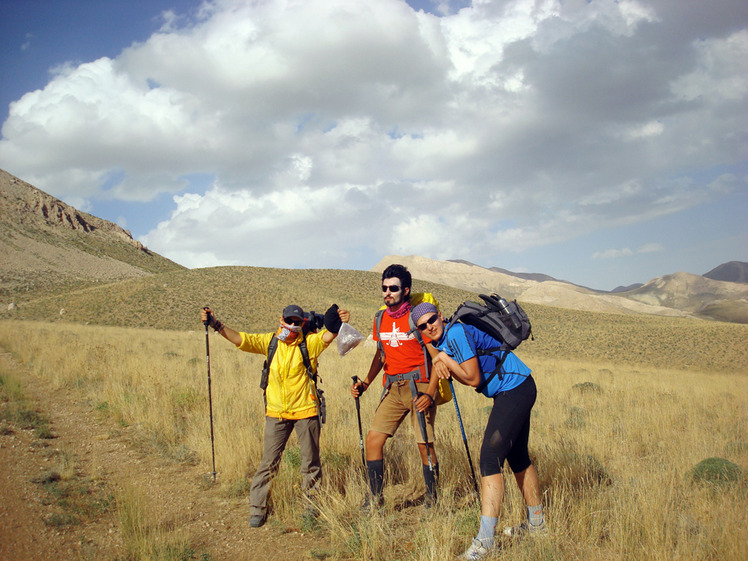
[(461, 342)]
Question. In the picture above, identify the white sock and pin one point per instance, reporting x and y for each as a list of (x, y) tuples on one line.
[(487, 530)]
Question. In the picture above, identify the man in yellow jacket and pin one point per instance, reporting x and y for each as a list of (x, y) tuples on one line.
[(291, 398)]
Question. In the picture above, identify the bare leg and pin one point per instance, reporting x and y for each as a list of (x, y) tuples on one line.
[(492, 494), (375, 445), (528, 483)]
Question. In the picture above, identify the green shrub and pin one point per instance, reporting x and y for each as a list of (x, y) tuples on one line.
[(587, 387), (716, 470)]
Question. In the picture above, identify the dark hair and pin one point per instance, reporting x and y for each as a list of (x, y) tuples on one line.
[(399, 272)]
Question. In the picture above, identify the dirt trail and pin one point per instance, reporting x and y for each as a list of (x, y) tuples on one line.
[(107, 455)]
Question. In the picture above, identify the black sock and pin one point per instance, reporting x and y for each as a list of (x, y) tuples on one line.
[(376, 476)]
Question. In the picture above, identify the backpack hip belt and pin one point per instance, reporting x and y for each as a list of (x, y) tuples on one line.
[(413, 376)]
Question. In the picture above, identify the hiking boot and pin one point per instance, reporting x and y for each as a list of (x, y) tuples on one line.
[(256, 520), (526, 529), (476, 551)]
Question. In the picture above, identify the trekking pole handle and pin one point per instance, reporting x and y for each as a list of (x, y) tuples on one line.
[(356, 381), (206, 323)]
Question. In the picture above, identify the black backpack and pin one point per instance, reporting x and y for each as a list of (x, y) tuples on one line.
[(505, 321)]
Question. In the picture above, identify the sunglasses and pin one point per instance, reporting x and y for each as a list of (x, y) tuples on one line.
[(293, 321), (392, 288), (430, 321)]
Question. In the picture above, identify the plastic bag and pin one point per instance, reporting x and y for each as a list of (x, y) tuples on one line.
[(348, 339)]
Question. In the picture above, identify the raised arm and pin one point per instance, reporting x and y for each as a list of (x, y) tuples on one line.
[(334, 318)]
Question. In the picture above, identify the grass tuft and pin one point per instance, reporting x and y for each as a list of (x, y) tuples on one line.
[(717, 471)]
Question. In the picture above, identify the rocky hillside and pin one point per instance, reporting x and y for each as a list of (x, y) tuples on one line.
[(724, 300), (47, 245), (680, 294)]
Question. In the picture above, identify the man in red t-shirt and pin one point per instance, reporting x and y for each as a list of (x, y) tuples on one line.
[(407, 387)]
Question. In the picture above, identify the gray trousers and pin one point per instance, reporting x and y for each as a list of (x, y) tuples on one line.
[(277, 432)]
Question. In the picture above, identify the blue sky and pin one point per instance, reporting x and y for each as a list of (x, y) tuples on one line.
[(600, 142)]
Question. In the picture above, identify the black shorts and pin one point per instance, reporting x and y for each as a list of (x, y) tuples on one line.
[(508, 430)]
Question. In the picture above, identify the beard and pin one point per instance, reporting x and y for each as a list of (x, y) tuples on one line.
[(395, 301)]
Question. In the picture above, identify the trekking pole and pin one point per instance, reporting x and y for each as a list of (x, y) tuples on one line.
[(210, 397), (424, 433), (360, 432), (464, 439)]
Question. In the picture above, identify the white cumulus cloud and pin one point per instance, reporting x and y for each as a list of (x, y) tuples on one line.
[(339, 132)]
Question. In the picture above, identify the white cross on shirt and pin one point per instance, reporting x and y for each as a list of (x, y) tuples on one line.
[(394, 337)]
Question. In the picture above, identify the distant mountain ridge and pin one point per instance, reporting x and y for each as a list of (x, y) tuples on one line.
[(46, 244), (538, 277), (627, 288), (679, 294), (732, 271)]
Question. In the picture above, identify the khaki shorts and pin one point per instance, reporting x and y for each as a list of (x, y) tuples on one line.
[(397, 403)]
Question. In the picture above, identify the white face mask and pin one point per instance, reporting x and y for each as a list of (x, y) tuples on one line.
[(288, 332)]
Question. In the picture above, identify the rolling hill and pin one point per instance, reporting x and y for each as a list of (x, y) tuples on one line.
[(676, 295), (732, 271), (47, 246), (51, 252)]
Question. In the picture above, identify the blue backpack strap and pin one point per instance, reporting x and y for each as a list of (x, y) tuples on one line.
[(498, 371)]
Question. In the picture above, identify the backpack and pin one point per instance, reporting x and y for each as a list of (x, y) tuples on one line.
[(443, 391), (505, 321), (272, 347)]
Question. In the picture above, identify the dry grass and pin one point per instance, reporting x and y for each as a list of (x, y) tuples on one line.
[(615, 445), (143, 539)]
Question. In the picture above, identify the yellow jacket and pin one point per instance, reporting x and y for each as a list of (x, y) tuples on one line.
[(289, 393)]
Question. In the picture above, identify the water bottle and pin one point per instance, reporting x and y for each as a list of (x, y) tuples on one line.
[(504, 307), (510, 320)]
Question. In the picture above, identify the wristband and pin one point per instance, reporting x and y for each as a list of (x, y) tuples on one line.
[(427, 395)]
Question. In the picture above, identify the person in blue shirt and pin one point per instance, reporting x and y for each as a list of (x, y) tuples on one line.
[(513, 391)]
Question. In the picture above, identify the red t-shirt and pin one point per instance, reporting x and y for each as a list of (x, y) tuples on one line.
[(403, 352)]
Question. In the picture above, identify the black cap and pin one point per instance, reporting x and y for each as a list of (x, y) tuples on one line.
[(293, 311)]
